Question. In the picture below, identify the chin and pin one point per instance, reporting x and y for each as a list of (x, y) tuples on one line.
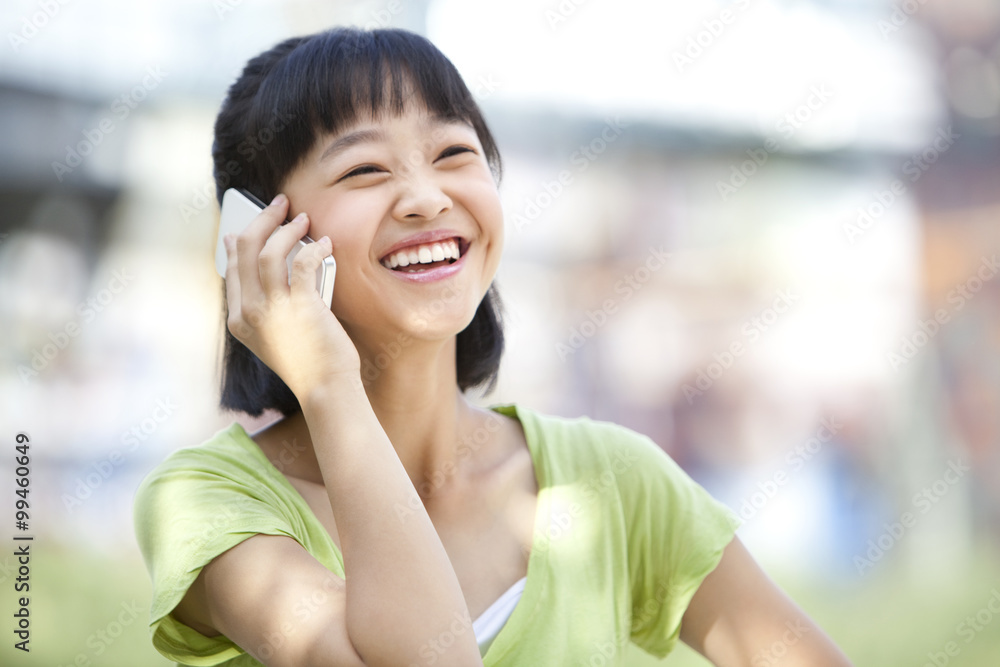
[(439, 323), (433, 313)]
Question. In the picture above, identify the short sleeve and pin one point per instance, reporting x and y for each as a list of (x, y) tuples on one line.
[(676, 535), (187, 511)]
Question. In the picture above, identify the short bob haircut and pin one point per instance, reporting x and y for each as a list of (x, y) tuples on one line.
[(272, 117)]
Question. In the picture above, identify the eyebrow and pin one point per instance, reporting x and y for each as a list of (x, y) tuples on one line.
[(373, 135), (346, 141)]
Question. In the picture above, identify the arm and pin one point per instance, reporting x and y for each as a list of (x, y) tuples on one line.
[(273, 599), (403, 592), (740, 618)]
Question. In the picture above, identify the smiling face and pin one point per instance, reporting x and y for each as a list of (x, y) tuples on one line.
[(413, 211)]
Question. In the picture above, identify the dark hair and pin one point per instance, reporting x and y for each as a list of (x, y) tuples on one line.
[(272, 117)]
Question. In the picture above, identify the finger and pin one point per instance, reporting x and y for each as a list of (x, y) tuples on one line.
[(274, 256), (305, 265), (234, 320), (251, 241)]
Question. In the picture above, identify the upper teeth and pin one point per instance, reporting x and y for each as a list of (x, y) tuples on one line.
[(423, 254)]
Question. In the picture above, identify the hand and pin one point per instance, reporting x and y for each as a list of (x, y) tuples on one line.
[(287, 326)]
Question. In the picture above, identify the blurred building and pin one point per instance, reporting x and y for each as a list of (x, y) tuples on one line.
[(729, 227)]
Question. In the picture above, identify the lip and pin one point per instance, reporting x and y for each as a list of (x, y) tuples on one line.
[(431, 275), (432, 236)]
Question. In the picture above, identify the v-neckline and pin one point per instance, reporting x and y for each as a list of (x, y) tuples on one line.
[(537, 570)]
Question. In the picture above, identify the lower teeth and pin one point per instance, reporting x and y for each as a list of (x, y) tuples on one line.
[(425, 267)]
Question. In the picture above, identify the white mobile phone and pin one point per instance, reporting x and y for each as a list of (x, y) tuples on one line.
[(239, 208)]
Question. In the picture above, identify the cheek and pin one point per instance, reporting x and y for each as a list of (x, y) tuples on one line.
[(351, 224), (349, 228), (496, 229), (345, 220), (485, 202)]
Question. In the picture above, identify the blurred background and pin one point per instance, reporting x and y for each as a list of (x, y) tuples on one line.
[(765, 233)]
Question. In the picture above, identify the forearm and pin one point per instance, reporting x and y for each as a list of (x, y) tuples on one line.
[(402, 592), (740, 618)]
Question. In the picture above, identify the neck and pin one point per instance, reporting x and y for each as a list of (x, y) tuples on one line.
[(418, 403), (413, 391), (411, 385)]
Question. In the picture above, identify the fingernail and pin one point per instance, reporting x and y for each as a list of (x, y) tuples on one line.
[(300, 217), (326, 241), (278, 199)]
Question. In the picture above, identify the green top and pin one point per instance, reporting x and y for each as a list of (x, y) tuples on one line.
[(622, 540)]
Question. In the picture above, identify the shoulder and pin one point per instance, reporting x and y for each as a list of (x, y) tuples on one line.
[(198, 503), (583, 435), (586, 444), (224, 447), (201, 491), (600, 458), (227, 454)]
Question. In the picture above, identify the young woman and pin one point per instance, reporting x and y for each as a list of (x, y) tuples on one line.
[(385, 520)]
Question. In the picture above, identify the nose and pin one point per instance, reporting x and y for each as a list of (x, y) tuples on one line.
[(420, 196)]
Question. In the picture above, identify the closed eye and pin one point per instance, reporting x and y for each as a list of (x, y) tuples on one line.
[(455, 150), (372, 169), (367, 169)]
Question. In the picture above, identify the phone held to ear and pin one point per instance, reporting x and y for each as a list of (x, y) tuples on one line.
[(239, 208)]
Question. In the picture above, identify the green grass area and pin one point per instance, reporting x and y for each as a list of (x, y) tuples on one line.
[(83, 611), (896, 619), (82, 614)]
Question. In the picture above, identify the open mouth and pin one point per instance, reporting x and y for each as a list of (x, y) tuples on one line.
[(426, 256)]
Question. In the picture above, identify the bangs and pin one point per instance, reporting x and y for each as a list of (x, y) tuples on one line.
[(332, 80)]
